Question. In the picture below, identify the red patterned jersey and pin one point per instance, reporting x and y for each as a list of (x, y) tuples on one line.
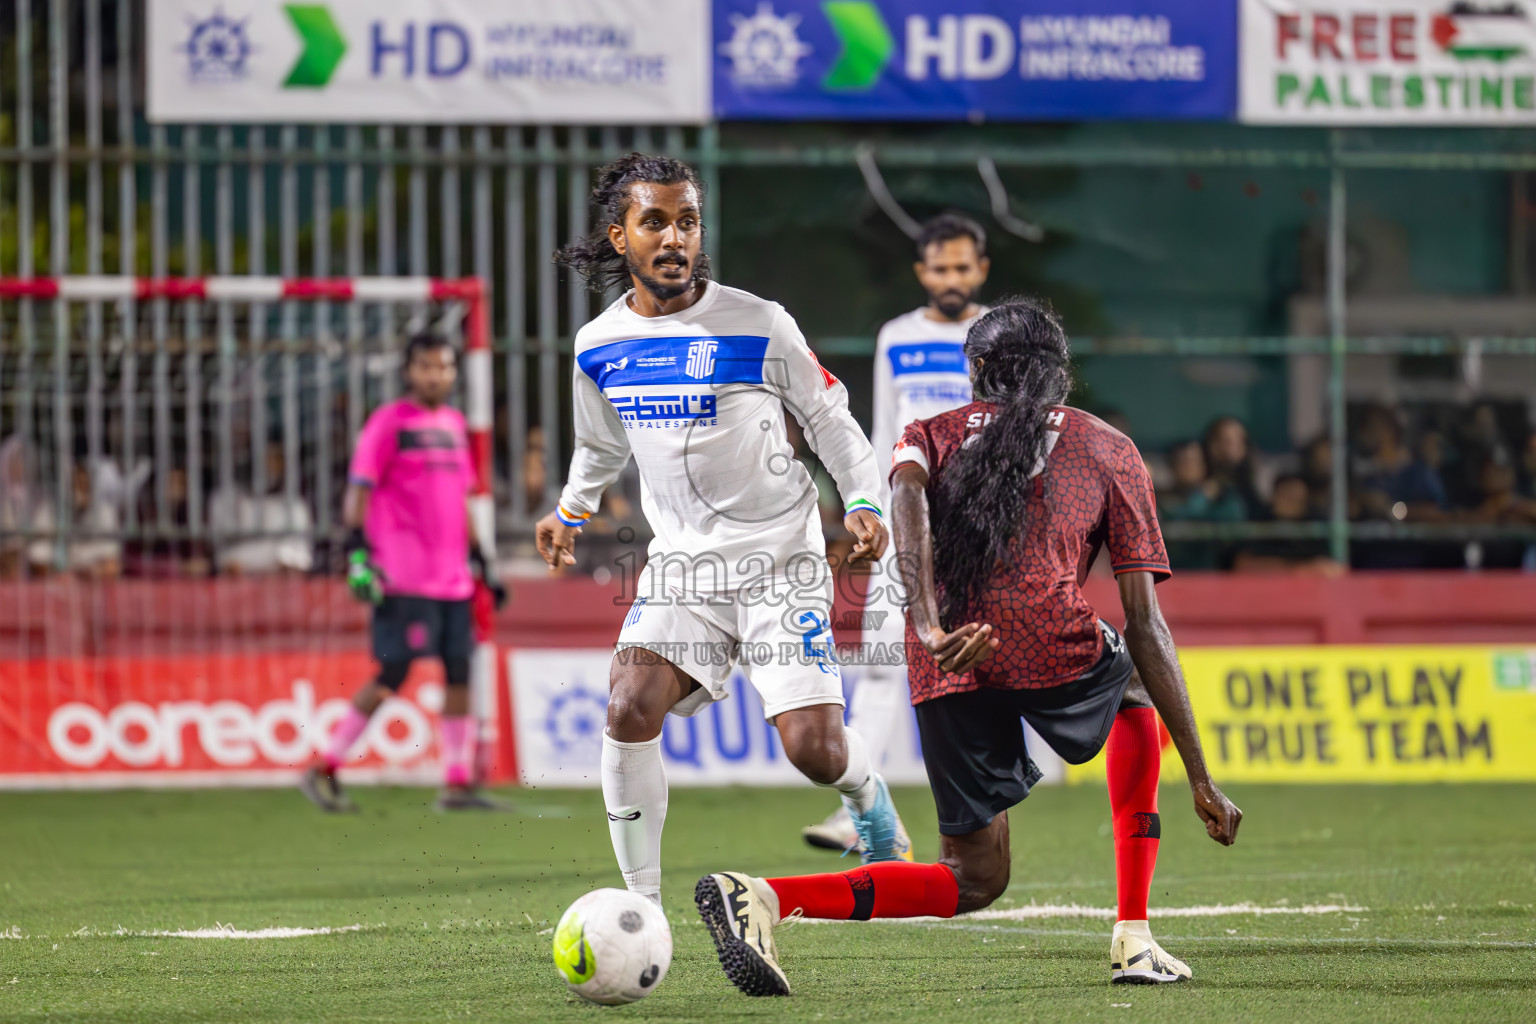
[(1093, 492)]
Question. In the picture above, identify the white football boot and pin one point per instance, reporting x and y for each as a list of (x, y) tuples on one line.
[(835, 833), (740, 912), (1135, 958)]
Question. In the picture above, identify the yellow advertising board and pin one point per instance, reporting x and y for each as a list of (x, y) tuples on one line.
[(1450, 713)]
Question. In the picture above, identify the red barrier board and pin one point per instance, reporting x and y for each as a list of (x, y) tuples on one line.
[(206, 717)]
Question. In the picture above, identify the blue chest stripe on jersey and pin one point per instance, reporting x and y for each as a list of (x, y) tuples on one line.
[(927, 357), (726, 359)]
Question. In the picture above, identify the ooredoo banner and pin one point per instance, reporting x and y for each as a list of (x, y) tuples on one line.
[(1360, 714), (1427, 62), (975, 59), (444, 61), (204, 720)]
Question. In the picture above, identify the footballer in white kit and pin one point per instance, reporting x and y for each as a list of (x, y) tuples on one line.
[(693, 379), (920, 371)]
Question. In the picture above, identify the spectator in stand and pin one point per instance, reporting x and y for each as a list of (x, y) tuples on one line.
[(177, 555), (16, 505), (1195, 497), (1391, 483), (1528, 468), (1229, 463), (1317, 470), (1291, 504), (260, 534), (92, 545), (1438, 455), (1483, 438), (1503, 505)]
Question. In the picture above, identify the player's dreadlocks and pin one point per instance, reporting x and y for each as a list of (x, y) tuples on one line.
[(1021, 362), (593, 256)]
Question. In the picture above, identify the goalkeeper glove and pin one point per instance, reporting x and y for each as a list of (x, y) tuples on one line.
[(483, 571), (364, 579)]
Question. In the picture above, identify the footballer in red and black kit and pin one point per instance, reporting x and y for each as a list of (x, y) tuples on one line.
[(999, 509), (1095, 493)]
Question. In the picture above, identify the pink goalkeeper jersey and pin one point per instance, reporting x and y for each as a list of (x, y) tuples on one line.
[(417, 462)]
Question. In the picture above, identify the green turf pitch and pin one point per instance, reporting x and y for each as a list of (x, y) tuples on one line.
[(456, 910)]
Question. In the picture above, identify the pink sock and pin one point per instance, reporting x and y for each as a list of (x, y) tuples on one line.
[(347, 731), (457, 733)]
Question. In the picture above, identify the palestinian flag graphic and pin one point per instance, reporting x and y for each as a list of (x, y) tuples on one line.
[(1496, 32)]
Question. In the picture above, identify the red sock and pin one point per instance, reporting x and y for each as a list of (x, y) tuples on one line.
[(887, 889), (1134, 755)]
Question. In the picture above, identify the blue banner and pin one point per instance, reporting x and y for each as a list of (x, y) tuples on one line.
[(975, 60)]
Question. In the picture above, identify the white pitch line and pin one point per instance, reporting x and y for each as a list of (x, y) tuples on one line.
[(1036, 912), (221, 931), (225, 931)]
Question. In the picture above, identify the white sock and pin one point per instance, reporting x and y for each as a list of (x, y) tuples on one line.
[(857, 783), (635, 794), (877, 699)]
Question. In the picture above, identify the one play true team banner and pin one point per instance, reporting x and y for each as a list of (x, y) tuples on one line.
[(447, 61), (1424, 62), (1360, 714), (975, 59)]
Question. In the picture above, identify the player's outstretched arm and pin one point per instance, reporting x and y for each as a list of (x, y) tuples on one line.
[(971, 644), (598, 457), (1157, 662)]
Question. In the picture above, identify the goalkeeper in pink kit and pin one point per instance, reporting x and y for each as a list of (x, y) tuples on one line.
[(410, 553)]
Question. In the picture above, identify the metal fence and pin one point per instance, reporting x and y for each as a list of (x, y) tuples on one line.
[(87, 186)]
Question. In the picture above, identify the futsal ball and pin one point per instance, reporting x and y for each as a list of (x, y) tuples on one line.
[(613, 947)]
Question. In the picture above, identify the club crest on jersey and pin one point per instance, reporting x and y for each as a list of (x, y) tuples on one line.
[(701, 358)]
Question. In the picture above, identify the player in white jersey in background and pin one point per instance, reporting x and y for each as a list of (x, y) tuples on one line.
[(693, 379), (920, 371)]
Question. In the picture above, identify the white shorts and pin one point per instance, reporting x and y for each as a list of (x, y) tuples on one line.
[(779, 635)]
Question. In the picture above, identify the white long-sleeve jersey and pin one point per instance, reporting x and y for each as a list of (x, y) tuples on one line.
[(699, 398), (920, 371)]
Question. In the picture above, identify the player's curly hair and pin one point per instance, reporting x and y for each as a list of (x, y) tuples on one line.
[(1022, 362), (593, 256)]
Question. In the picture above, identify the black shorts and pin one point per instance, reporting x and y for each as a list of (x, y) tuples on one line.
[(973, 743), (405, 628)]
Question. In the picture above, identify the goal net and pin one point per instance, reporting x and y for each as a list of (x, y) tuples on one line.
[(173, 455)]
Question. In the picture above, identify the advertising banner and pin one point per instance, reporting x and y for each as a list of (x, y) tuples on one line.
[(205, 720), (418, 61), (560, 700), (975, 59), (1360, 714), (1424, 62)]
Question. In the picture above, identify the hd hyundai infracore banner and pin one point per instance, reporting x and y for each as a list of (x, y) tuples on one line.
[(442, 61), (976, 60)]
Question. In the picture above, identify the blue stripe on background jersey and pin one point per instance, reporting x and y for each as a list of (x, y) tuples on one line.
[(927, 357), (725, 359)]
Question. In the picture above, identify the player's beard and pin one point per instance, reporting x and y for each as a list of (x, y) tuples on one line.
[(952, 302), (662, 290)]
